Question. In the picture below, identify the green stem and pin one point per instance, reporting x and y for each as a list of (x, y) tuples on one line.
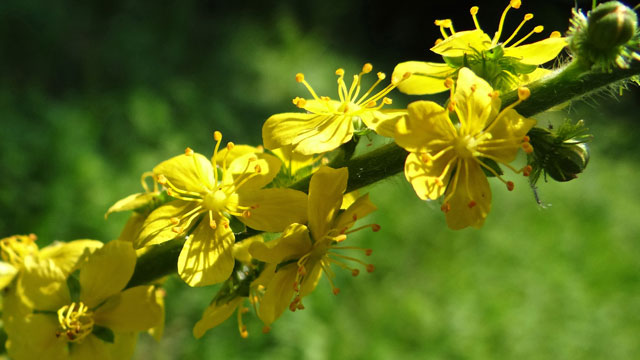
[(571, 82)]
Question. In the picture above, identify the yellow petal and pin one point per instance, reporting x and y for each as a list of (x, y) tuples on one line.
[(427, 121), (383, 122), (308, 133), (132, 202), (474, 106), (131, 230), (67, 255), (325, 197), (359, 209), (537, 74), (463, 42), (187, 172), (278, 294), (245, 165), (508, 132), (106, 272), (241, 249), (293, 244), (159, 225), (91, 348), (206, 257), (537, 53), (274, 209), (214, 315), (472, 186), (314, 269), (43, 285), (134, 309), (35, 338), (236, 152), (426, 77), (423, 176), (7, 274), (292, 160)]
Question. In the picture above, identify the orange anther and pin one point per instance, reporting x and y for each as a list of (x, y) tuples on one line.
[(336, 291), (299, 77), (375, 227), (448, 83), (355, 272), (526, 138), (246, 213), (230, 145), (370, 268), (474, 10), (217, 136), (472, 204), (510, 185), (340, 72), (367, 68), (368, 252), (523, 93), (445, 207), (188, 151), (526, 171), (266, 329)]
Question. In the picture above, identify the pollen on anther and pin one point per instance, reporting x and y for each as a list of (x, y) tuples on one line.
[(523, 93), (217, 136), (526, 138), (472, 204), (336, 291), (246, 213), (370, 268), (555, 34), (527, 170), (162, 179), (340, 72), (448, 83), (355, 272), (175, 220), (387, 101), (230, 145), (188, 151), (366, 68), (538, 29), (368, 252), (375, 227), (299, 77), (527, 148), (474, 87), (258, 168), (515, 4), (452, 106), (510, 185), (266, 329), (474, 10), (381, 75), (445, 207)]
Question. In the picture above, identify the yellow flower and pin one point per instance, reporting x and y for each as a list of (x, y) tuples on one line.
[(448, 158), (330, 123), (209, 194), (93, 313), (504, 63), (296, 260)]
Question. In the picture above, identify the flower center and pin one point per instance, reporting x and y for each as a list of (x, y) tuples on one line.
[(76, 322), (465, 146), (215, 201)]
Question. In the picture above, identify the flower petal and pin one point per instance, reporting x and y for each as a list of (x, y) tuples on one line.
[(278, 294), (7, 274), (275, 208), (426, 77), (539, 52), (214, 315), (106, 272), (206, 257), (236, 152), (471, 202), (134, 309), (427, 121), (43, 285), (67, 255), (508, 132), (423, 176), (463, 42), (158, 227), (309, 133), (187, 172), (246, 165), (292, 244), (35, 338), (359, 209), (325, 197), (132, 202), (475, 102), (383, 122)]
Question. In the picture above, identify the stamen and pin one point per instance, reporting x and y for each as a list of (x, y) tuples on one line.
[(537, 29), (527, 17), (474, 12), (188, 151), (217, 136), (526, 171), (512, 4), (367, 68), (472, 204), (300, 79)]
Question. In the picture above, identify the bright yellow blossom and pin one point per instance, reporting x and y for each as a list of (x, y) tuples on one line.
[(504, 63), (330, 123), (94, 319), (448, 158), (297, 259), (209, 193)]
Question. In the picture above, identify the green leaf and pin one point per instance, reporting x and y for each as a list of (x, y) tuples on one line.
[(103, 333), (74, 286), (493, 165)]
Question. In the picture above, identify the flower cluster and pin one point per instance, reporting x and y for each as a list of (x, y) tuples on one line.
[(84, 299)]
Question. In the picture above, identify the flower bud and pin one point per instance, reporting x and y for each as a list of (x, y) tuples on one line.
[(567, 162), (611, 24)]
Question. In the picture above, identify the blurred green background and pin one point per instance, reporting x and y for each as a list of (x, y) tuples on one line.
[(94, 93)]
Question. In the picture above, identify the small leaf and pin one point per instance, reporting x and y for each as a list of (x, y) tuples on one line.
[(103, 333)]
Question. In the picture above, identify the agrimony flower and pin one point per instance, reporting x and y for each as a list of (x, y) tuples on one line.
[(296, 260), (88, 317), (330, 123), (212, 194), (503, 62), (447, 157)]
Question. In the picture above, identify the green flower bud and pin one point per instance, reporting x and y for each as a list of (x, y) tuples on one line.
[(605, 37), (611, 24), (567, 162)]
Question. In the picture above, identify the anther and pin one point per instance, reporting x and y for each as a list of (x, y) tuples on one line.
[(452, 106), (336, 291), (474, 10), (170, 192), (523, 93), (375, 227), (448, 83), (302, 271), (162, 180), (555, 34), (370, 268), (340, 72), (367, 68), (258, 168), (472, 204), (387, 101), (299, 77), (510, 185), (446, 207), (538, 29), (528, 17), (266, 329), (527, 148), (515, 4), (341, 238), (438, 41), (230, 146), (246, 213), (368, 252), (217, 136), (325, 98), (526, 138), (175, 220), (526, 171), (474, 87), (188, 151), (425, 158), (243, 332), (381, 75), (406, 75), (177, 229), (355, 272)]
